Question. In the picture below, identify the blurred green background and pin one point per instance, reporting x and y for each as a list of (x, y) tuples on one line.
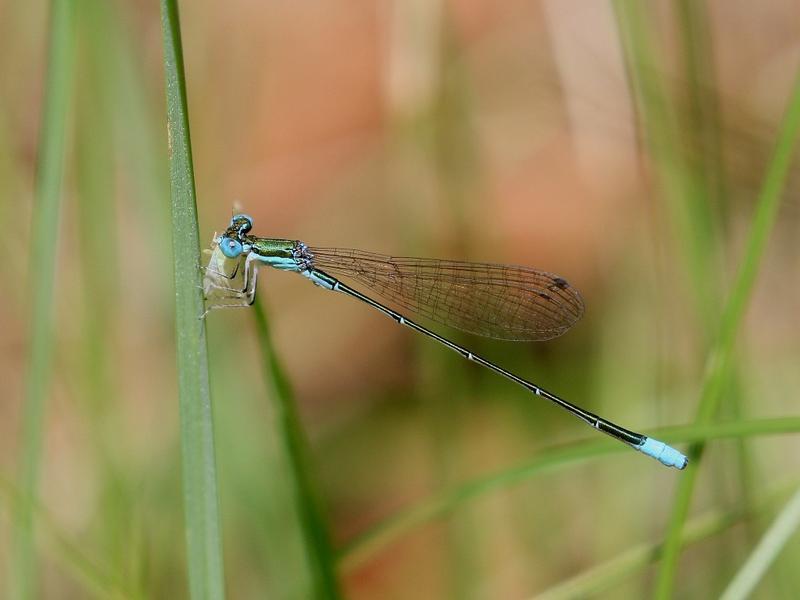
[(621, 149)]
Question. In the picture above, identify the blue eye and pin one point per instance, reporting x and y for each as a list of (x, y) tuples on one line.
[(230, 247), (242, 223)]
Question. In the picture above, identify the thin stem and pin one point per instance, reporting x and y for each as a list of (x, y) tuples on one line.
[(767, 550), (367, 545), (291, 439), (201, 504), (719, 360), (44, 248)]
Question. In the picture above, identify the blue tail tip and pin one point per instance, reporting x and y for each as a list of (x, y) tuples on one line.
[(666, 455)]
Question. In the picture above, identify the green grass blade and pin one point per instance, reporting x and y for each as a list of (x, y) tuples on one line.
[(44, 233), (95, 580), (292, 443), (766, 552), (602, 577), (719, 361), (681, 184), (94, 186), (377, 538), (201, 504)]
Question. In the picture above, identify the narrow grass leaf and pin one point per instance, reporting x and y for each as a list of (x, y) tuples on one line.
[(765, 553), (289, 434), (201, 505), (370, 543), (97, 235), (604, 576), (686, 155), (682, 184), (94, 579), (44, 233), (719, 361)]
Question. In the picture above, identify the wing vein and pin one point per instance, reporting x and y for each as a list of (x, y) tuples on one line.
[(493, 300)]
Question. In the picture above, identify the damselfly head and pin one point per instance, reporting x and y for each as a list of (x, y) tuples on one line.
[(241, 224)]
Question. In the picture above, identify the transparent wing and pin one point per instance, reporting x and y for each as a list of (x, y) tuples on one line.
[(498, 301)]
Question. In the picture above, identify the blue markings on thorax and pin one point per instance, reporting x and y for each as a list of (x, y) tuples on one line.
[(278, 262), (284, 263)]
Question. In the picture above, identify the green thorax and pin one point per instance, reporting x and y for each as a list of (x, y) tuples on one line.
[(270, 247)]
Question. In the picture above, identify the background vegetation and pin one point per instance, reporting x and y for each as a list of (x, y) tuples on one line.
[(643, 151)]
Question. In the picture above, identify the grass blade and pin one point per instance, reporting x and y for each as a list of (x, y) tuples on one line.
[(602, 577), (367, 545), (289, 433), (42, 266), (201, 504), (766, 552), (682, 184), (94, 579), (719, 361), (684, 140)]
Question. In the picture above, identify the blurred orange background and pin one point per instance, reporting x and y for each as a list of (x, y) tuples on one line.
[(488, 131)]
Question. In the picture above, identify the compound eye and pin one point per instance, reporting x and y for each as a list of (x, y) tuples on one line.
[(242, 223), (230, 247)]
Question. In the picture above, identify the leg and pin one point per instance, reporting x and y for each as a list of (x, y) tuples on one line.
[(210, 306), (250, 270), (248, 280), (250, 277), (209, 269), (216, 278), (223, 297), (239, 298), (251, 294)]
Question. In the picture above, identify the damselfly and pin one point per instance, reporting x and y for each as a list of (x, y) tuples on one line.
[(492, 300)]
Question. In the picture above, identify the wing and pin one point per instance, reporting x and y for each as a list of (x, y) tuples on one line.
[(505, 302)]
